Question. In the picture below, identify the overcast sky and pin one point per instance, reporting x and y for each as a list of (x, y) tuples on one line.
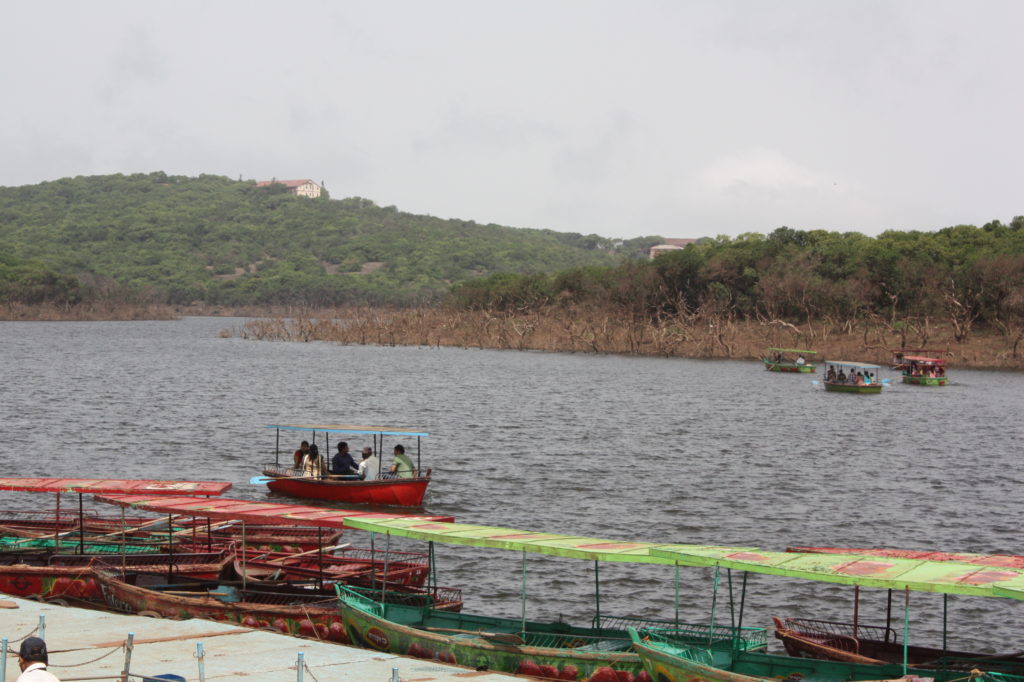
[(679, 118)]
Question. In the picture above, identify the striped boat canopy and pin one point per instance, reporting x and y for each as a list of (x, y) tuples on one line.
[(346, 428), (923, 360), (1003, 560), (257, 512), (113, 485), (919, 575), (855, 365), (794, 350), (552, 544)]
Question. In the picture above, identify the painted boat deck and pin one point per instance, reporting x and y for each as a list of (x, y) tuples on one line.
[(74, 636)]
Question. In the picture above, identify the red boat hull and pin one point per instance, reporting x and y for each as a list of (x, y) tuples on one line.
[(400, 492)]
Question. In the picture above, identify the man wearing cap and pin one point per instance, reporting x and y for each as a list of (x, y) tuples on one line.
[(33, 660)]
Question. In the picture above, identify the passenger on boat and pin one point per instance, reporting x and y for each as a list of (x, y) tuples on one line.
[(342, 463), (312, 463), (370, 466), (831, 376), (858, 380), (402, 468), (300, 454), (800, 360), (33, 659), (842, 376)]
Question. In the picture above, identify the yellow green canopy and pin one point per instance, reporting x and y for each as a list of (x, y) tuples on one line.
[(553, 544), (920, 575)]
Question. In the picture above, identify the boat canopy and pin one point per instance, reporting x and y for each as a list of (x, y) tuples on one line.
[(345, 428), (553, 544), (113, 485), (1004, 560), (922, 360), (258, 512), (920, 575), (793, 350), (855, 365)]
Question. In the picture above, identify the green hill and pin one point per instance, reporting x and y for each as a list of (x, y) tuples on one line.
[(211, 239)]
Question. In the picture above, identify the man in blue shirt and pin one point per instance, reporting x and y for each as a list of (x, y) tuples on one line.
[(342, 463)]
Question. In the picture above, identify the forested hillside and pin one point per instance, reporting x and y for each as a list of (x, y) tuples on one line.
[(962, 276), (174, 239)]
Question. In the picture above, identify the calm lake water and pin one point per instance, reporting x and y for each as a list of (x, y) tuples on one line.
[(675, 450)]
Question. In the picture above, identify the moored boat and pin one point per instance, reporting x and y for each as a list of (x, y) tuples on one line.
[(789, 360), (289, 609), (558, 650), (670, 660), (842, 376), (377, 487), (69, 577)]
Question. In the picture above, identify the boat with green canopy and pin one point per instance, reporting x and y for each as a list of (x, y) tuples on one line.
[(669, 658), (789, 360), (558, 650), (842, 376)]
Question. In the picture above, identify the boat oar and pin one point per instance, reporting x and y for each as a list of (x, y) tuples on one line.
[(312, 551), (260, 480)]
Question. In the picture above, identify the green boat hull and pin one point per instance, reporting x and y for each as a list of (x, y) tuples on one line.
[(554, 650), (773, 366), (853, 388), (924, 381), (665, 661)]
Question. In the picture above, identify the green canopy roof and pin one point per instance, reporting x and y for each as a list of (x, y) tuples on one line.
[(921, 575), (794, 350), (553, 544)]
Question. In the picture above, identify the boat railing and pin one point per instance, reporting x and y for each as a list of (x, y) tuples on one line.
[(374, 599), (677, 645), (841, 635), (698, 634), (113, 561), (597, 643)]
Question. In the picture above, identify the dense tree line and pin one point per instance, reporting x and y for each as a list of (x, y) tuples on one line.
[(175, 239), (964, 276)]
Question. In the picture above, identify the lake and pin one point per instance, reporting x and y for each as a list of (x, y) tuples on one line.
[(653, 449)]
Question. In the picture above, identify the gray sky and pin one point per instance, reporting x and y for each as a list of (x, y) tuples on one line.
[(684, 119)]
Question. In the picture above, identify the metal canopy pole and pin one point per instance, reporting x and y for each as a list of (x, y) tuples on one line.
[(81, 526), (56, 527), (277, 448), (245, 572), (170, 550), (597, 595), (387, 554), (714, 603), (677, 594), (888, 615), (523, 598), (743, 599), (856, 609), (945, 616), (320, 553), (419, 467), (906, 626)]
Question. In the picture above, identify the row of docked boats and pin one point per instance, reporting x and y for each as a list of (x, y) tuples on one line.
[(288, 568), (844, 376)]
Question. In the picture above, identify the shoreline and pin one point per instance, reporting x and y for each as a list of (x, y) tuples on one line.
[(579, 329)]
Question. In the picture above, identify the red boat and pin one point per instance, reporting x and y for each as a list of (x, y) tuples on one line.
[(289, 609), (69, 577), (377, 487), (350, 565)]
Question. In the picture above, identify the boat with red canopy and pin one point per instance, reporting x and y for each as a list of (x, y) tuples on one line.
[(377, 487), (921, 367)]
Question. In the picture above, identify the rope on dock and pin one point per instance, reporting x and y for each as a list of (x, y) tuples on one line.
[(305, 667), (98, 658)]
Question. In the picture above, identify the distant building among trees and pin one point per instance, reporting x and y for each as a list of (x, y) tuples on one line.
[(669, 245), (300, 188)]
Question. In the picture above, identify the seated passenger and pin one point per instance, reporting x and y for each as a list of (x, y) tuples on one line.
[(312, 463), (831, 376), (842, 376), (402, 468), (342, 463), (800, 360), (300, 454), (369, 468)]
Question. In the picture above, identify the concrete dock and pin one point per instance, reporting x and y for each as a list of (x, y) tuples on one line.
[(87, 644)]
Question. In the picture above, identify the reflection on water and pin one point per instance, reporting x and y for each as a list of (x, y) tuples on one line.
[(715, 452)]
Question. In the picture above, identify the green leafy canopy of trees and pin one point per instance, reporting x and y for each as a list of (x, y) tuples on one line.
[(176, 239)]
